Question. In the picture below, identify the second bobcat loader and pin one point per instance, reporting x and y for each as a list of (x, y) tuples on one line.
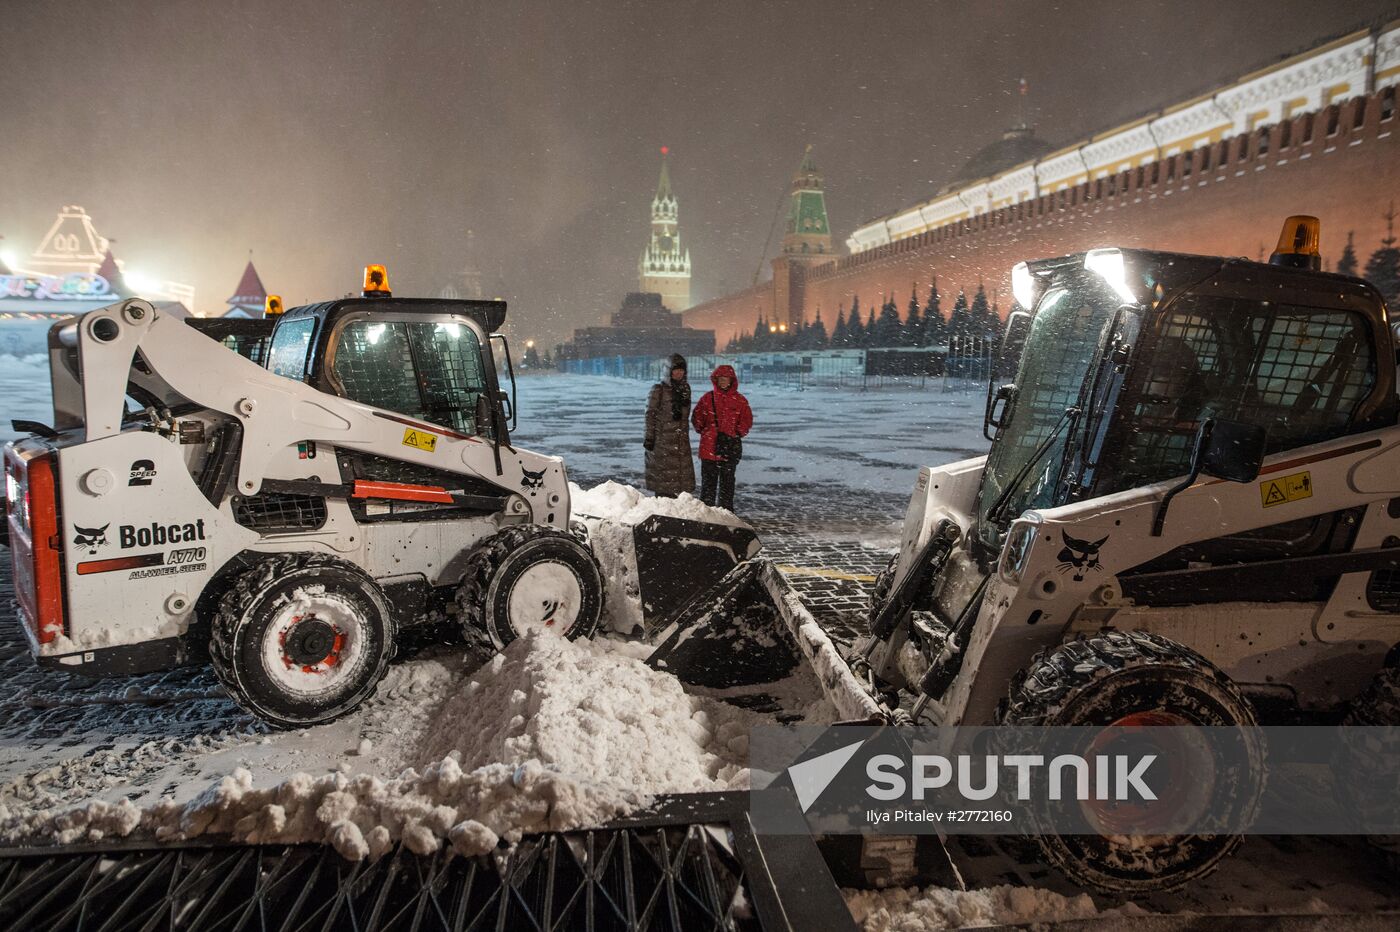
[(1189, 515)]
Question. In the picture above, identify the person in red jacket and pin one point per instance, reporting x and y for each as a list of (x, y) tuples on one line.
[(723, 418)]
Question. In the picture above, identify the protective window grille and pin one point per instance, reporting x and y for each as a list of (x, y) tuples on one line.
[(1297, 372), (426, 370), (253, 348), (287, 355), (1065, 338), (274, 511)]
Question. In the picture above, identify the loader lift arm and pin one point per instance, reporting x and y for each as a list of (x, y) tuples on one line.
[(132, 341)]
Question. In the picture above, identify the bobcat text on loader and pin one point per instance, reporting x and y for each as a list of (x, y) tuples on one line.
[(293, 492), (1190, 514)]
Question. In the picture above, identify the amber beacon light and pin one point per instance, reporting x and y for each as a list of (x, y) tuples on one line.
[(1299, 244), (272, 305), (376, 282)]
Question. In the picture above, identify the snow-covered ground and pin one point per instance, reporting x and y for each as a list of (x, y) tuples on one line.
[(24, 391), (549, 735), (837, 439)]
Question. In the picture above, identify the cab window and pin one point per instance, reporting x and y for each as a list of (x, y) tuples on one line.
[(287, 355), (428, 370), (1299, 372)]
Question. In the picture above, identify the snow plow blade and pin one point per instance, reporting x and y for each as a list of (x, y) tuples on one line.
[(751, 641)]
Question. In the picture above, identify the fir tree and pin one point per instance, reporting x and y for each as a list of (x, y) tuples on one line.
[(839, 335), (913, 324), (547, 361), (867, 334), (1346, 265), (818, 331), (980, 314), (1383, 268), (935, 331), (888, 331), (959, 322), (531, 359), (855, 332)]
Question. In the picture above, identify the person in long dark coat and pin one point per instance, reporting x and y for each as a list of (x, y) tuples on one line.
[(670, 469)]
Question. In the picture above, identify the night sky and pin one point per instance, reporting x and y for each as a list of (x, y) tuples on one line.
[(323, 135)]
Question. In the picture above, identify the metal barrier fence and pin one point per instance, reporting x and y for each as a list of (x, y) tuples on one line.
[(961, 367)]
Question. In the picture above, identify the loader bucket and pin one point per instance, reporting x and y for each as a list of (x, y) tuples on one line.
[(679, 558), (750, 640)]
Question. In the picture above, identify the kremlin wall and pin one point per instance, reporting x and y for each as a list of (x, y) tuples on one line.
[(1313, 134)]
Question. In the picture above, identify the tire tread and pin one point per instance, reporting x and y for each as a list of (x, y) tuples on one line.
[(234, 606)]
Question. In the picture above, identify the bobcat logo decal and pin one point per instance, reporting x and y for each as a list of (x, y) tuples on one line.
[(532, 480), (91, 537), (1080, 555)]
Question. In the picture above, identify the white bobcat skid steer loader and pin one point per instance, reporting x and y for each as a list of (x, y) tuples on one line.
[(1190, 514), (288, 520)]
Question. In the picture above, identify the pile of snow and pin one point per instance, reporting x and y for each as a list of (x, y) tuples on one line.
[(593, 716), (611, 511), (549, 736), (622, 503), (934, 909)]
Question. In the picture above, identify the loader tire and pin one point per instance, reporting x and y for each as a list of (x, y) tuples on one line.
[(1367, 761), (530, 577), (301, 638), (1134, 678)]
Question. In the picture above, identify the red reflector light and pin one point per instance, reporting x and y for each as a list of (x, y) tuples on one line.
[(35, 549)]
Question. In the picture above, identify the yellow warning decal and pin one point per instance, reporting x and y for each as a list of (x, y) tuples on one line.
[(420, 440), (1285, 489)]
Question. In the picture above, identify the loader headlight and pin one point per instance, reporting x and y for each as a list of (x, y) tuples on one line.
[(1017, 551), (1108, 264)]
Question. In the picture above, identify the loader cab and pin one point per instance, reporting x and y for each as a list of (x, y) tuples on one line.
[(427, 359), (1128, 351)]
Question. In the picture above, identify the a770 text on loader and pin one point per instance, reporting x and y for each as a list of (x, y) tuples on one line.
[(292, 494)]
